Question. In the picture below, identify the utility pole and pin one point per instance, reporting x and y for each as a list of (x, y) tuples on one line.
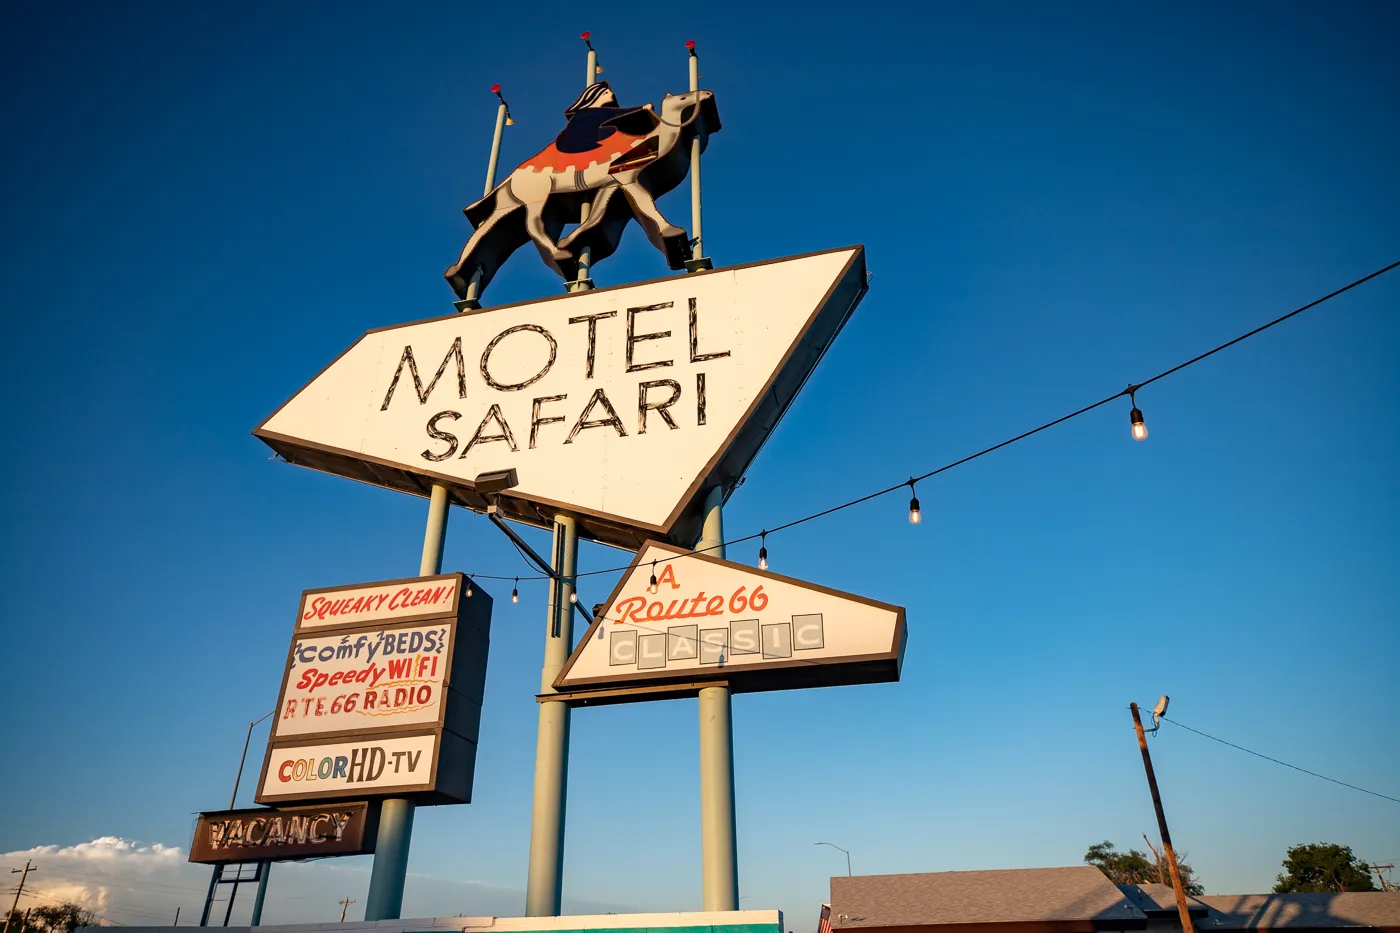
[(177, 917), (23, 874), (344, 906), (1385, 885), (1181, 907)]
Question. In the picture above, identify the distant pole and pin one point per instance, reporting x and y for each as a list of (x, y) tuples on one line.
[(838, 849), (218, 870), (1177, 886), (695, 231), (23, 874), (264, 871), (344, 906), (719, 854), (177, 917)]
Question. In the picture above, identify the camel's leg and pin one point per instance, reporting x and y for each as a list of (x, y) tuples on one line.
[(534, 225), (658, 228), (596, 212), (505, 205), (664, 235)]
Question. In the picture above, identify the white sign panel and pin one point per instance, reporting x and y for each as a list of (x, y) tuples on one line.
[(623, 405), (707, 619), (358, 766), (391, 601), (365, 681)]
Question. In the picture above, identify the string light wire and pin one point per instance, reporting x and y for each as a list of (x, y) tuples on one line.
[(1278, 762), (1130, 391)]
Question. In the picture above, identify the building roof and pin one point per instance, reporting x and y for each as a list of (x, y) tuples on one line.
[(1158, 900), (1079, 894), (1301, 911)]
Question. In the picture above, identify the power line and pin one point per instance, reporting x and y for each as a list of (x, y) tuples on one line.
[(909, 483), (1277, 762)]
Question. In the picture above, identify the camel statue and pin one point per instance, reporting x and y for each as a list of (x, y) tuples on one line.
[(605, 151)]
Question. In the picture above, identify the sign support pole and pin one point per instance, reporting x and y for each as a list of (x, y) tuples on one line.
[(545, 881), (502, 114), (719, 855), (585, 258), (385, 899), (266, 869), (719, 852), (697, 238)]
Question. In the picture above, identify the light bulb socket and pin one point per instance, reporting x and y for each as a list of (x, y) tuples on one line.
[(1136, 415), (915, 515)]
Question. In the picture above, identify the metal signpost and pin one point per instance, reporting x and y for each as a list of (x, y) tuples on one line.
[(623, 415)]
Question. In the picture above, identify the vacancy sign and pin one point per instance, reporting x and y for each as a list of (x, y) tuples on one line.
[(622, 406), (707, 620)]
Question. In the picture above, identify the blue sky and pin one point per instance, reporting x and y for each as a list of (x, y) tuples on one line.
[(204, 207)]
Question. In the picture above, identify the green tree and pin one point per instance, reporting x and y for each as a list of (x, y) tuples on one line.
[(1322, 866), (1134, 867), (61, 918)]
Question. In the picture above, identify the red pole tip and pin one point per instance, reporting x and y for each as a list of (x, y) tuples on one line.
[(495, 89), (690, 43), (584, 35)]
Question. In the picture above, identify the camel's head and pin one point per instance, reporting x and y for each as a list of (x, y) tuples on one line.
[(696, 107)]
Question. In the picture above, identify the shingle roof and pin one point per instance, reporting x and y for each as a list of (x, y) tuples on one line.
[(1078, 893), (1155, 899), (1283, 911)]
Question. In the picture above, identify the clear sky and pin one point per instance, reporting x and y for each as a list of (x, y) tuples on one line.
[(205, 204)]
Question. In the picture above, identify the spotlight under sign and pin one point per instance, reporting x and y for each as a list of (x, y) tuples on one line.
[(621, 405), (680, 621)]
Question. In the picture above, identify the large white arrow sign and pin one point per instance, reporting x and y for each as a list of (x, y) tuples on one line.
[(622, 406), (679, 620)]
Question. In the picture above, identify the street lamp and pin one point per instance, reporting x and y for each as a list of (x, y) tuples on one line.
[(839, 849)]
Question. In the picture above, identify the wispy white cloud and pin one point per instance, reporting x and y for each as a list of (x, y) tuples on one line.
[(137, 884)]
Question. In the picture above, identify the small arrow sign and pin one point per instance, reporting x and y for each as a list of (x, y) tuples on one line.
[(707, 620), (621, 406)]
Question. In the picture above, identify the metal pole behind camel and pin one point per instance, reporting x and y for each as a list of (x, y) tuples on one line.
[(585, 257)]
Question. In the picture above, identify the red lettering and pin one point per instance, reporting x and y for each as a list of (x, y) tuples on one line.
[(394, 603), (315, 606), (306, 677), (715, 607), (668, 575), (629, 608), (282, 774)]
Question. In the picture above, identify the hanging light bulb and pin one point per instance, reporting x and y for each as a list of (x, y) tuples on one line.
[(651, 587), (469, 587), (573, 597), (515, 591), (915, 516), (1139, 427), (763, 551)]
